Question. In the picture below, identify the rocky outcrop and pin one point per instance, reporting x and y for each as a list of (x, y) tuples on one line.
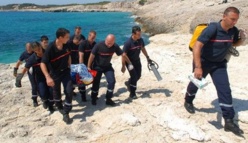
[(164, 16)]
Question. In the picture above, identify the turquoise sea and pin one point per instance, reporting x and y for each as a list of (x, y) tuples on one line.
[(17, 28)]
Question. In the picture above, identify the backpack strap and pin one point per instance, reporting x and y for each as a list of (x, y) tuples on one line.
[(214, 35)]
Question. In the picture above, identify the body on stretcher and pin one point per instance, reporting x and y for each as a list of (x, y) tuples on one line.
[(81, 76)]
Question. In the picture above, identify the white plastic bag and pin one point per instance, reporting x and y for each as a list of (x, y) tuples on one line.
[(198, 83)]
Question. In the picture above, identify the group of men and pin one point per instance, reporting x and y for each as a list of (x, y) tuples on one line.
[(49, 66)]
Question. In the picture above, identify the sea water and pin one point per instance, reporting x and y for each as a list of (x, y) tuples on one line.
[(17, 28)]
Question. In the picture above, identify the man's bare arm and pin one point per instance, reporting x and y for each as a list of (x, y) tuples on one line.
[(197, 59), (91, 58), (81, 57)]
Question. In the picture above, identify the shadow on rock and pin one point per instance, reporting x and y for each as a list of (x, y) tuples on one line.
[(238, 104), (147, 94)]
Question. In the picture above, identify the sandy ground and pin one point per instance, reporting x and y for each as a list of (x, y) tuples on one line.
[(156, 116)]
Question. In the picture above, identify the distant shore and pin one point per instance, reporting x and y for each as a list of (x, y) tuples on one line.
[(92, 7)]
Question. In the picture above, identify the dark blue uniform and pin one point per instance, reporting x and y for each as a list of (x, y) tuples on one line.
[(24, 57), (74, 52), (81, 37), (44, 90), (57, 62), (132, 49), (216, 44), (101, 64), (86, 48)]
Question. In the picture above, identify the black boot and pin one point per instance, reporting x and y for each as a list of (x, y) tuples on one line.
[(45, 104), (110, 102), (132, 92), (35, 102), (94, 98), (189, 107), (230, 126), (127, 85), (93, 101), (67, 119), (133, 96), (51, 109), (83, 96), (60, 107)]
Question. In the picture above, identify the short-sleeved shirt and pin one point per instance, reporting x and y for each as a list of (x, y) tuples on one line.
[(103, 54), (34, 62), (81, 37), (74, 52), (86, 48), (55, 59), (24, 56), (132, 48), (217, 41)]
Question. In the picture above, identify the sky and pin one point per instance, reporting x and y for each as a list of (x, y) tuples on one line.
[(45, 2)]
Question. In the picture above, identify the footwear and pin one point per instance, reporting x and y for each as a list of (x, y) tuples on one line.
[(45, 104), (83, 97), (93, 101), (110, 102), (67, 119), (189, 107), (133, 96), (127, 85), (35, 102), (51, 109), (60, 107), (230, 126)]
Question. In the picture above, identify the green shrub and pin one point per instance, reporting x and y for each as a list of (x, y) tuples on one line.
[(142, 2)]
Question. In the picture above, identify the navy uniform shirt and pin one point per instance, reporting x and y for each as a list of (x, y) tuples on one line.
[(217, 42), (81, 37), (103, 54), (133, 48), (74, 52), (86, 48), (55, 59), (24, 56), (34, 62)]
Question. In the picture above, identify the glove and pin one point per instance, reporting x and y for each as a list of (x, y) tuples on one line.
[(15, 71), (242, 34), (18, 80), (130, 67)]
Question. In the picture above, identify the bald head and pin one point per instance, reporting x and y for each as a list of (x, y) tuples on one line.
[(110, 40), (29, 48)]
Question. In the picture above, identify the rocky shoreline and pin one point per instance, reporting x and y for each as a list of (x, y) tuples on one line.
[(158, 115)]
